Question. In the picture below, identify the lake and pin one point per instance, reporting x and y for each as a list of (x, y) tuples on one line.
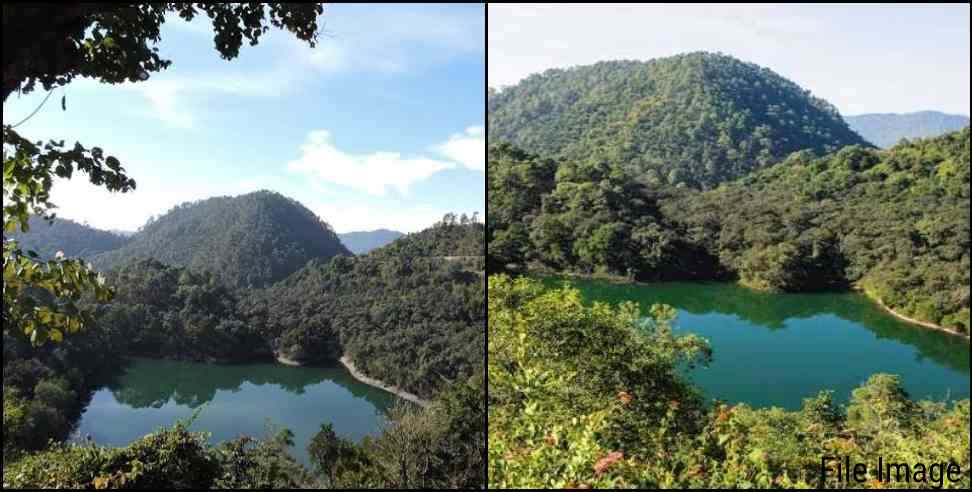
[(233, 400), (776, 349)]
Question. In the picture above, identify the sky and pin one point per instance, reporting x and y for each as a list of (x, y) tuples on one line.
[(380, 126), (861, 58)]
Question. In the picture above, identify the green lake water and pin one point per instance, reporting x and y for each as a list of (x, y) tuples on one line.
[(776, 349), (234, 400)]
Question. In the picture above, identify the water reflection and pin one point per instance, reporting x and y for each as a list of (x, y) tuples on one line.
[(148, 383), (772, 349), (232, 400), (774, 311)]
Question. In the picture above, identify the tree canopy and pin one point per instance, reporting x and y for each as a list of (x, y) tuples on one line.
[(697, 119), (894, 223), (251, 240), (51, 44)]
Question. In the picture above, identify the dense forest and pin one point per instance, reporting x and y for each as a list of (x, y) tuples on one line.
[(410, 314), (594, 397), (250, 240), (697, 119), (887, 130), (404, 313), (361, 242), (893, 223), (75, 240)]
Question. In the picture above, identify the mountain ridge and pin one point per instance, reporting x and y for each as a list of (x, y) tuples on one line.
[(696, 119), (887, 129), (361, 242)]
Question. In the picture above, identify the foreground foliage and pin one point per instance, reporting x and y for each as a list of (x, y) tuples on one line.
[(589, 397)]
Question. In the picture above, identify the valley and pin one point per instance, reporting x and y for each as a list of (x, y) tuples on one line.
[(353, 338), (702, 276), (273, 274)]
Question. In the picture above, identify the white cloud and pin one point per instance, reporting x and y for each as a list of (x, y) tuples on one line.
[(79, 200), (468, 149), (171, 98), (371, 173)]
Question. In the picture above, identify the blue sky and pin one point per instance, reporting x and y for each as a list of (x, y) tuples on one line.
[(380, 125), (861, 58)]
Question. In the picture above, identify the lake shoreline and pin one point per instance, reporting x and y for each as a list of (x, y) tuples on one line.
[(619, 280), (362, 378), (395, 390), (925, 324), (288, 362)]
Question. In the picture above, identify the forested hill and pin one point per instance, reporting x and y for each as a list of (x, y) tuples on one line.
[(361, 242), (894, 223), (453, 236), (251, 240), (74, 239), (403, 313), (696, 119), (885, 130)]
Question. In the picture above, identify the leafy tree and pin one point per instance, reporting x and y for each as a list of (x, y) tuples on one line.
[(51, 44), (591, 397), (330, 452)]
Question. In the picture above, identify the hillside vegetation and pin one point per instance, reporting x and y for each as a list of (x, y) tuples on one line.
[(696, 119), (250, 240), (402, 313), (894, 223)]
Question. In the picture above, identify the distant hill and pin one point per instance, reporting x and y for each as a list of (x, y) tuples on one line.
[(74, 239), (886, 130), (361, 242), (247, 241), (696, 119)]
